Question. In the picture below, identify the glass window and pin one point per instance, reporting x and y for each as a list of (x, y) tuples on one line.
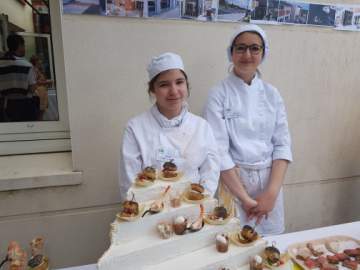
[(33, 104)]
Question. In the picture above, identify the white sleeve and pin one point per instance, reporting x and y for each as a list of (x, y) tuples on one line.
[(214, 114), (32, 76), (130, 163), (210, 168), (281, 137)]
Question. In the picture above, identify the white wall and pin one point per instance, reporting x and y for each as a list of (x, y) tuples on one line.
[(315, 69)]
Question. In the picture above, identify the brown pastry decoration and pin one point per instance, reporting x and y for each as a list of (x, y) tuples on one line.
[(247, 235), (272, 255), (196, 192), (169, 169)]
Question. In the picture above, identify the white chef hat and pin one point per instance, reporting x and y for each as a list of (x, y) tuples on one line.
[(249, 28), (164, 62)]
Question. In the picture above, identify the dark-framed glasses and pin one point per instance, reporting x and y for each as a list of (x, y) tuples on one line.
[(253, 48)]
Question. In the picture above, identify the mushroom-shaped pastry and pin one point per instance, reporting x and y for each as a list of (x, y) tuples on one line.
[(272, 255)]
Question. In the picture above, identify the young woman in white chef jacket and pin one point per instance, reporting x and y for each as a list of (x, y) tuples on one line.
[(168, 131), (250, 125)]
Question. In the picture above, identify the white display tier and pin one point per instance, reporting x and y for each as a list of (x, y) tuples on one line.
[(124, 231), (151, 249), (209, 259), (143, 194)]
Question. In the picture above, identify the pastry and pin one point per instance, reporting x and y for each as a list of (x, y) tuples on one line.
[(222, 243)]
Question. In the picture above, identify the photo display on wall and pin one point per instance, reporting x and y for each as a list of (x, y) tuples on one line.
[(337, 16)]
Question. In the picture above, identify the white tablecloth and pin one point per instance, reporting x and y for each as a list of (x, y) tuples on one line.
[(284, 240)]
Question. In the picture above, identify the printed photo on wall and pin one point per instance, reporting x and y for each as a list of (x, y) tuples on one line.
[(234, 10), (208, 10), (202, 10), (126, 8), (321, 15), (166, 9), (265, 11), (293, 12), (347, 18), (96, 7)]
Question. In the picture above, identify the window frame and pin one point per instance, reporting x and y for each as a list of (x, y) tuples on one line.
[(43, 136)]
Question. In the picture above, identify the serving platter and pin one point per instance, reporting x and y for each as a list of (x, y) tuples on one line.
[(327, 246)]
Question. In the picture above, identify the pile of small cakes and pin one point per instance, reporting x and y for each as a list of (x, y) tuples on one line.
[(181, 225)]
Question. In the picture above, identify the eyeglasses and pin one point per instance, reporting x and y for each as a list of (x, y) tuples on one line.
[(242, 48)]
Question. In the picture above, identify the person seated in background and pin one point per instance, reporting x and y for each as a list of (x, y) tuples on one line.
[(17, 84), (42, 84), (168, 131)]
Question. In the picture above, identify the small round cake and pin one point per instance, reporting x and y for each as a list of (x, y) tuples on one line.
[(222, 243), (179, 225)]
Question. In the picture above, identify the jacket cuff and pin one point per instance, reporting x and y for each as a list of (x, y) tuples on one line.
[(226, 162), (282, 153)]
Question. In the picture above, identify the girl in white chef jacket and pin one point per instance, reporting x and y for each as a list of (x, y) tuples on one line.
[(250, 125), (168, 131)]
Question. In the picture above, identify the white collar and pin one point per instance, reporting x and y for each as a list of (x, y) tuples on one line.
[(169, 123), (238, 79)]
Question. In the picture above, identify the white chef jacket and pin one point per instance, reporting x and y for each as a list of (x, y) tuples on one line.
[(249, 123), (150, 139), (251, 128)]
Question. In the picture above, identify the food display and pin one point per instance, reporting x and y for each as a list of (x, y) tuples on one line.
[(146, 178), (331, 253), (167, 233)]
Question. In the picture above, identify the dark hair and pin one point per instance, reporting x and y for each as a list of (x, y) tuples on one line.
[(14, 41), (151, 83), (253, 32)]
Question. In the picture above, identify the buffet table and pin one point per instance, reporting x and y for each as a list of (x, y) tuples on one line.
[(284, 240)]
